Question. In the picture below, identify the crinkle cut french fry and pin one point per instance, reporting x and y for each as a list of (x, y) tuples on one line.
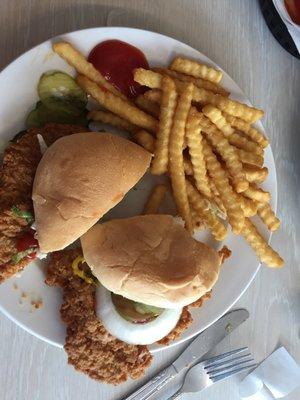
[(153, 95), (232, 107), (201, 205), (233, 208), (216, 199), (244, 143), (144, 139), (176, 164), (112, 119), (148, 106), (199, 82), (227, 152), (198, 223), (257, 194), (243, 126), (250, 158), (248, 206), (155, 199), (188, 167), (216, 117), (268, 216), (79, 62), (167, 109), (234, 138), (264, 252), (153, 80), (148, 78), (118, 106), (196, 69), (194, 141), (255, 174)]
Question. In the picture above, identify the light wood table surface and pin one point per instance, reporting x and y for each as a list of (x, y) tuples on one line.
[(232, 33)]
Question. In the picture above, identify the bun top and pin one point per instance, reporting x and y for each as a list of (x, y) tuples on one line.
[(79, 178), (151, 259)]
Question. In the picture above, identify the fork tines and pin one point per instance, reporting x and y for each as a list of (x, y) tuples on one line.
[(227, 364)]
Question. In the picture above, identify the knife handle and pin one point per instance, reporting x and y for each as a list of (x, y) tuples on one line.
[(154, 385)]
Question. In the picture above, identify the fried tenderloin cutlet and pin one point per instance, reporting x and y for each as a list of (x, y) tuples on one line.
[(20, 161), (90, 348), (183, 323), (185, 320), (11, 227)]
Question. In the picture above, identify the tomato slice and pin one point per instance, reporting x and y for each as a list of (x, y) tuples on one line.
[(27, 241)]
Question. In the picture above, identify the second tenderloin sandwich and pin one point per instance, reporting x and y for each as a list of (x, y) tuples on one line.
[(149, 268)]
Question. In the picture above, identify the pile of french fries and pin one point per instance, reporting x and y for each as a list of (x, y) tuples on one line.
[(203, 140)]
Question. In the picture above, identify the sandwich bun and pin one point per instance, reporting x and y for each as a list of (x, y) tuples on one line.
[(79, 178), (150, 259)]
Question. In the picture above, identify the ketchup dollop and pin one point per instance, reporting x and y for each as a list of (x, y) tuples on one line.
[(293, 8), (116, 61), (27, 241)]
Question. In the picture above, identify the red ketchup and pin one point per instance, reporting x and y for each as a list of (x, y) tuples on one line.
[(27, 241), (293, 8), (116, 61)]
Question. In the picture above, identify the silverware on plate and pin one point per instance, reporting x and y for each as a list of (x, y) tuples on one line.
[(215, 369), (203, 343)]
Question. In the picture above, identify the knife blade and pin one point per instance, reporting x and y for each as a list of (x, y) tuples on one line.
[(203, 343), (209, 338)]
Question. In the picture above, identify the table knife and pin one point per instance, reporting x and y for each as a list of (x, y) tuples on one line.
[(203, 343)]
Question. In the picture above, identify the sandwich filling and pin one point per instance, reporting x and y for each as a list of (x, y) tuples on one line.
[(133, 311), (133, 322)]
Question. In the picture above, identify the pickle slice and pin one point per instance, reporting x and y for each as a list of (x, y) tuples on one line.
[(58, 91), (42, 115)]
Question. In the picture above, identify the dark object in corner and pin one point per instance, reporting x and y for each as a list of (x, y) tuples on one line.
[(277, 27)]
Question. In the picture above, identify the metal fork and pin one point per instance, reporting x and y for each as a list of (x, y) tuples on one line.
[(215, 369)]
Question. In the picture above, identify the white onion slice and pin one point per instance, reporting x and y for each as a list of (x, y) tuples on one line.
[(41, 255), (129, 332), (42, 143)]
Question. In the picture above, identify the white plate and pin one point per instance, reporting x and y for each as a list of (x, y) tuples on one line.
[(18, 96)]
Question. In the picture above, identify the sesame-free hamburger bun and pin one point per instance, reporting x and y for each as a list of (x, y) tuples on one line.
[(150, 259), (79, 178)]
